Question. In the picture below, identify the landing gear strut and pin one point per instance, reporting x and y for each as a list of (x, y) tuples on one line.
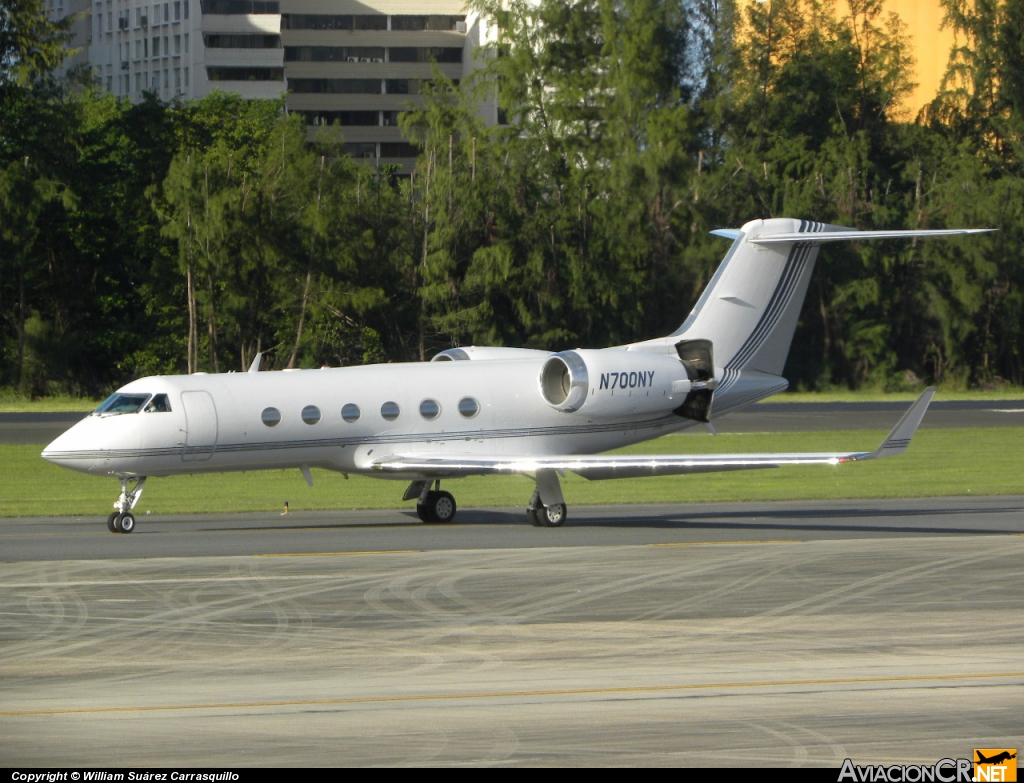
[(122, 520), (547, 506), (434, 506)]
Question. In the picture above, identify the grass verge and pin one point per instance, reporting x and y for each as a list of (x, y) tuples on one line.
[(939, 462), (10, 404)]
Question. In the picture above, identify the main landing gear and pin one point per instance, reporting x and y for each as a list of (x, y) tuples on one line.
[(546, 509), (545, 516), (433, 506), (122, 520)]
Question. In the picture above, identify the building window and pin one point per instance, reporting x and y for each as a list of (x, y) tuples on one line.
[(225, 74), (397, 149), (156, 45), (177, 78), (167, 79), (349, 118), (370, 22), (348, 86), (408, 86), (177, 10), (271, 417), (315, 22), (334, 54), (350, 412), (416, 23), (236, 41), (239, 7), (167, 12), (186, 73), (364, 149), (469, 407), (390, 411), (186, 43), (186, 8), (425, 54), (389, 118)]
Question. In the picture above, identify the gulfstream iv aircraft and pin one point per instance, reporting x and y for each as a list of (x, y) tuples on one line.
[(477, 411)]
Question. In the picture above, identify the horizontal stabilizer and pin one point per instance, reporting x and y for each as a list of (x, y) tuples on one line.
[(608, 466), (851, 235)]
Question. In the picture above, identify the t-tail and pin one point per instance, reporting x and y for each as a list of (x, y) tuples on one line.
[(736, 339)]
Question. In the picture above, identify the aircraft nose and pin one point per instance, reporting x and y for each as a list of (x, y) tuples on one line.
[(73, 449)]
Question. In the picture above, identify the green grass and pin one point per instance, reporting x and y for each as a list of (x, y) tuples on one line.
[(14, 404), (939, 462), (47, 405), (844, 395)]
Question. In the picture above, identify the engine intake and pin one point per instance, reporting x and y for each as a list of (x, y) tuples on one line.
[(564, 381)]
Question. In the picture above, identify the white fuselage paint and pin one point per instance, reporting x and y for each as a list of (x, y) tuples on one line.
[(215, 420)]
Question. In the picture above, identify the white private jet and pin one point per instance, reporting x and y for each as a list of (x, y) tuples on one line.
[(477, 411)]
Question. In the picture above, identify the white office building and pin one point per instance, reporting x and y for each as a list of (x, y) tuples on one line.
[(357, 64)]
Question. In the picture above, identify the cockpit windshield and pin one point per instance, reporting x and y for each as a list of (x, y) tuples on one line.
[(122, 403), (159, 404)]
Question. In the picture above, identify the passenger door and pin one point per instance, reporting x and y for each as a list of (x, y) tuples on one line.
[(200, 426)]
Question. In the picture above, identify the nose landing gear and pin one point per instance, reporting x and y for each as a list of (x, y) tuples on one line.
[(122, 520)]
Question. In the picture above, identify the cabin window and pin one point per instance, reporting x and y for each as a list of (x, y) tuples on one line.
[(122, 403), (350, 412), (469, 407), (390, 410), (159, 404), (430, 409), (271, 417), (311, 414)]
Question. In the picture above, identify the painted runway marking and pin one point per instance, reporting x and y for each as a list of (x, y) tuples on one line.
[(510, 694)]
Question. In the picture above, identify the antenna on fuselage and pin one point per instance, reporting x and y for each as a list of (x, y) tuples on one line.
[(255, 366)]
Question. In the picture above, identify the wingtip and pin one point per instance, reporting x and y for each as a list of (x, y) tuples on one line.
[(898, 440)]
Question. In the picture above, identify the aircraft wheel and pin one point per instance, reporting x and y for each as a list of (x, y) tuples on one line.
[(423, 512), (553, 516), (126, 523), (441, 505)]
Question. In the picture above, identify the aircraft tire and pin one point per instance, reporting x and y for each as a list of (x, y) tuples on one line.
[(534, 517), (442, 506), (125, 524), (553, 516), (111, 522), (423, 512)]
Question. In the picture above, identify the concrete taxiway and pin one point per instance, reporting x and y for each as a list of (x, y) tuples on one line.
[(768, 633)]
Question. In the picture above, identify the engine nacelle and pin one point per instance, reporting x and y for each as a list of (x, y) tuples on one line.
[(605, 384), (488, 354)]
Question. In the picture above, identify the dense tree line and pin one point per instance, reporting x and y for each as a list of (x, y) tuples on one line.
[(153, 237)]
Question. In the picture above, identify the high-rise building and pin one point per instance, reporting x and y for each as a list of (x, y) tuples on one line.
[(346, 62), (359, 64)]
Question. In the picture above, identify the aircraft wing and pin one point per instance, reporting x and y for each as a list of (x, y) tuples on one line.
[(840, 236), (608, 466)]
